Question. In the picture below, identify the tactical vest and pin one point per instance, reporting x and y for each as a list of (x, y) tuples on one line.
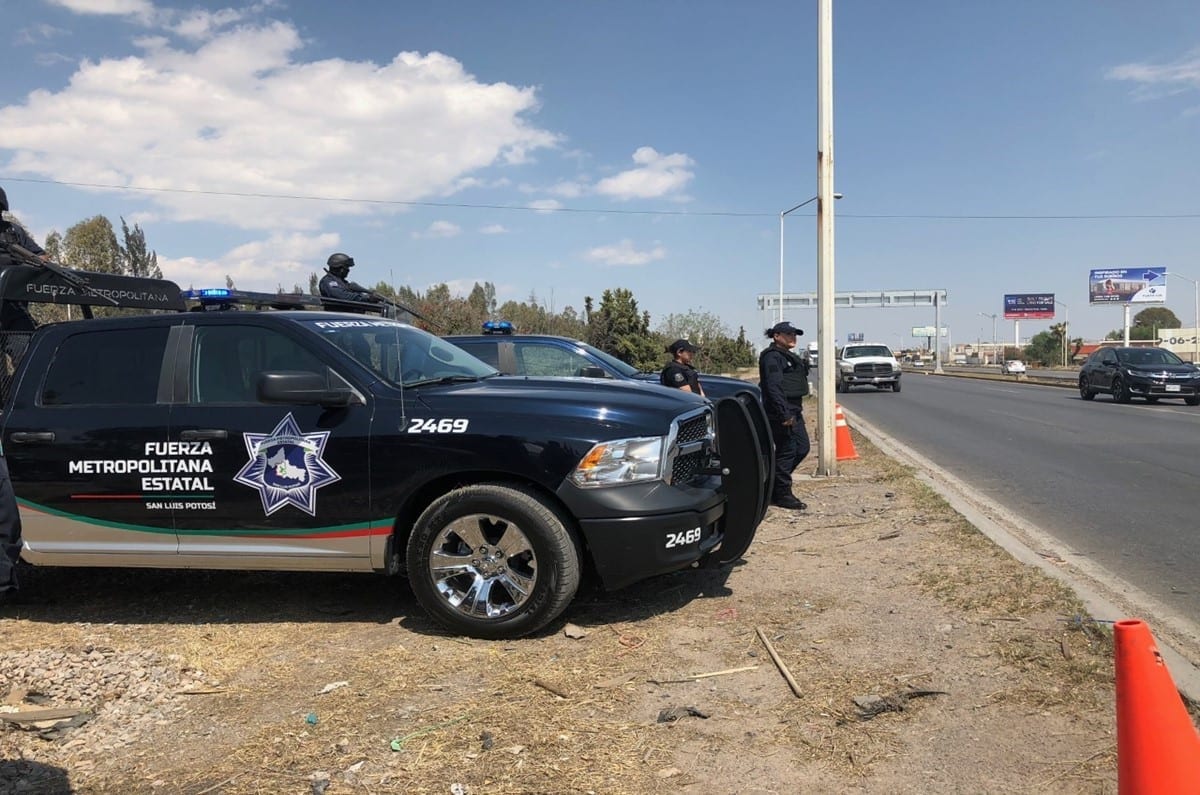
[(795, 377)]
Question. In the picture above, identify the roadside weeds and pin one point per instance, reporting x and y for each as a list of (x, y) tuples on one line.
[(876, 593)]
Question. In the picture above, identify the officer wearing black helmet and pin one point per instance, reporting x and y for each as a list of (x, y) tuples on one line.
[(14, 317), (335, 285), (783, 377)]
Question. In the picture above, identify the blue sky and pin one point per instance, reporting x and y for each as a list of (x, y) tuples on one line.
[(565, 148)]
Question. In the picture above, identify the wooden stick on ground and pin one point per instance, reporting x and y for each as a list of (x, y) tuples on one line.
[(783, 669), (698, 677)]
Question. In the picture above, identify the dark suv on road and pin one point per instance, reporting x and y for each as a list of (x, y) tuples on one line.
[(1150, 373)]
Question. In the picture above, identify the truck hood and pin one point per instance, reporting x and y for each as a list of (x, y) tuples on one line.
[(714, 385), (869, 360), (622, 408)]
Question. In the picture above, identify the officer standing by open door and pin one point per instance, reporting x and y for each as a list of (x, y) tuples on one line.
[(783, 377)]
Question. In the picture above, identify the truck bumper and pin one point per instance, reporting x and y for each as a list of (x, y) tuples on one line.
[(857, 380), (637, 531)]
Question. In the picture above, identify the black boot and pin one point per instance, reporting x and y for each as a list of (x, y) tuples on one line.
[(789, 502)]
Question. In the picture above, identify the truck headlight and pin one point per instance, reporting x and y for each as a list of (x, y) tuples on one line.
[(620, 461), (846, 368)]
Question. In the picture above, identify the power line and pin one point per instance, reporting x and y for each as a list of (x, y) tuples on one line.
[(593, 211)]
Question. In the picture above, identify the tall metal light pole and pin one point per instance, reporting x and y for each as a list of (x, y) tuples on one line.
[(993, 317), (1196, 337), (779, 314), (826, 446), (1066, 327)]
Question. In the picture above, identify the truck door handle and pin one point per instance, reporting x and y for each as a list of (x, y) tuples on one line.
[(203, 434), (24, 437)]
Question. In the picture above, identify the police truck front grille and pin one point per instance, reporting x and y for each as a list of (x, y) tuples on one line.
[(691, 444), (873, 369), (693, 429), (685, 467)]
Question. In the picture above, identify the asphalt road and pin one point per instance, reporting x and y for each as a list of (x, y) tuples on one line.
[(1118, 483)]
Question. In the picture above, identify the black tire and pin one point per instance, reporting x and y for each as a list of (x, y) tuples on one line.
[(840, 386), (1151, 399), (1120, 391), (1085, 391), (1194, 400), (505, 538), (895, 386)]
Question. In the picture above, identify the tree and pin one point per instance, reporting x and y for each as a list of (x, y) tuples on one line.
[(1146, 324), (618, 328), (482, 300), (135, 259), (1045, 348), (718, 352), (54, 246), (91, 245)]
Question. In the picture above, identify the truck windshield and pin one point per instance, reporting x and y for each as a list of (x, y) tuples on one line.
[(867, 350), (400, 354), (612, 361)]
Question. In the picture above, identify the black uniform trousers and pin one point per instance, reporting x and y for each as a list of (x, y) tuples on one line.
[(791, 447), (10, 531)]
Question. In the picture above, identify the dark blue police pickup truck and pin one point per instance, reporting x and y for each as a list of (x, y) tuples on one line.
[(328, 441)]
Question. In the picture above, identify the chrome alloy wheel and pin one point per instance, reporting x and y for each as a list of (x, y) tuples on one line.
[(483, 566)]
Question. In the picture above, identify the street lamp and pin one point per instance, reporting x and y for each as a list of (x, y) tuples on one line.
[(779, 315), (1066, 327), (993, 317), (1196, 336)]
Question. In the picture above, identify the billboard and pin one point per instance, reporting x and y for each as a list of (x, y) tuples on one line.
[(1128, 286), (1022, 305), (928, 331)]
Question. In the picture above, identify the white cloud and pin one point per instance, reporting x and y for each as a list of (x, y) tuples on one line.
[(493, 229), (625, 253), (655, 176), (439, 229), (238, 114), (546, 205), (568, 189), (141, 8), (36, 34), (1154, 81), (262, 265), (199, 24)]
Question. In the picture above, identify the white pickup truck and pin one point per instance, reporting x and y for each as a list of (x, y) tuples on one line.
[(868, 364)]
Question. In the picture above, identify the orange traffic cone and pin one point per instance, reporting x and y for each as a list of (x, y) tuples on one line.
[(1158, 748), (842, 440)]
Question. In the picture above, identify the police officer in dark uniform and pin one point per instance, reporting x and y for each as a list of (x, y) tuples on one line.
[(14, 317), (335, 285), (783, 377), (679, 372)]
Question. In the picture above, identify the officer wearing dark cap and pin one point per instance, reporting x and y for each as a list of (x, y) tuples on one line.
[(783, 377), (679, 373)]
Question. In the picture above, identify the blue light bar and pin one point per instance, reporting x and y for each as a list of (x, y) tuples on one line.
[(209, 294), (498, 327)]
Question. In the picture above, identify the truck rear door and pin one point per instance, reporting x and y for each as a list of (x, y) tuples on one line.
[(83, 438)]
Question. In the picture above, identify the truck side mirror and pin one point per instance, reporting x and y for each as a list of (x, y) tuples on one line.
[(303, 387)]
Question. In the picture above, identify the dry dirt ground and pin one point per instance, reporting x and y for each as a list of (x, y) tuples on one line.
[(208, 682)]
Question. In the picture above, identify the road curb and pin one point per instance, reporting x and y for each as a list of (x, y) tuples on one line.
[(1106, 596)]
